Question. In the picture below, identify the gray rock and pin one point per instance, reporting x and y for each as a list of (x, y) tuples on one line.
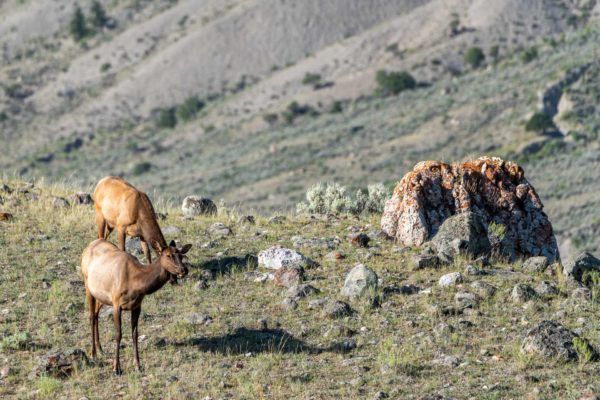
[(171, 230), (461, 234), (277, 219), (289, 276), (317, 304), (60, 364), (359, 239), (466, 300), (473, 270), (316, 243), (522, 293), (451, 279), (550, 339), (133, 246), (82, 198), (582, 293), (337, 309), (546, 288), (583, 263), (443, 330), (219, 229), (196, 205), (422, 261), (359, 281), (338, 331), (246, 220), (303, 290), (447, 361), (278, 257), (535, 264), (60, 202), (198, 319), (202, 284), (289, 304), (483, 289)]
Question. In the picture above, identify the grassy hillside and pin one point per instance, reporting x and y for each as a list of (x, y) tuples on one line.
[(402, 347)]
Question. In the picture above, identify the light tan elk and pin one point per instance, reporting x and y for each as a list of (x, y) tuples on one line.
[(121, 206), (114, 278)]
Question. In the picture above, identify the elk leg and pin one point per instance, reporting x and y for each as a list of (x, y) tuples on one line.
[(96, 329), (146, 250), (117, 321), (92, 305), (107, 231), (121, 232), (101, 225), (135, 317)]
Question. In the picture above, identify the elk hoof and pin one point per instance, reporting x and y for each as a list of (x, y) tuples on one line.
[(117, 372)]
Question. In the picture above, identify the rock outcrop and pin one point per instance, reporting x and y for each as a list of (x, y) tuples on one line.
[(490, 187)]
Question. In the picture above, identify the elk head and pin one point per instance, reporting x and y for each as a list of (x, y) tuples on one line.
[(172, 259)]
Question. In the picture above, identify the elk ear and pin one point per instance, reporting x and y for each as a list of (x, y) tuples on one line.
[(157, 246), (172, 244), (185, 248)]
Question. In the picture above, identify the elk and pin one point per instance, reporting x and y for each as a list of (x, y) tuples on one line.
[(120, 205), (115, 278)]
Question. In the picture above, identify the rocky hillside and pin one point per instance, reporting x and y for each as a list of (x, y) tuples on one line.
[(255, 100), (293, 307)]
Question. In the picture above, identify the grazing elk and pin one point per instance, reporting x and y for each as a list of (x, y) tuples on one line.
[(120, 205), (115, 278)]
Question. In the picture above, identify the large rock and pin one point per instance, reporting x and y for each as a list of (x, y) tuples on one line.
[(450, 279), (461, 234), (359, 280), (550, 339), (278, 257), (494, 189), (585, 262), (196, 205)]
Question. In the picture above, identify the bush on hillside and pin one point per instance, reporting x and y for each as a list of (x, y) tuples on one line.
[(332, 198), (529, 55), (165, 118), (189, 108), (141, 168), (78, 25), (311, 79), (99, 18), (392, 83), (539, 122), (474, 57)]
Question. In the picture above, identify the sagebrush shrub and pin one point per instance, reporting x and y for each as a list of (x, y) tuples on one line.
[(332, 198)]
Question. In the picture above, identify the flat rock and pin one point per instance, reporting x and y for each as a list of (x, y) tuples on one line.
[(585, 262), (303, 290), (421, 261), (466, 299), (278, 257), (337, 309), (483, 289), (60, 364), (219, 229), (546, 288)]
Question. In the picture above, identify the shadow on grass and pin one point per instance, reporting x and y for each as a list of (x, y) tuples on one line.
[(244, 340), (226, 265)]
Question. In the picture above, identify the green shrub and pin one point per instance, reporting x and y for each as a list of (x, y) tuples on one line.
[(529, 55), (392, 83), (189, 108), (166, 118), (336, 107), (495, 52), (591, 279), (474, 57), (294, 109), (18, 341), (270, 118), (539, 122), (78, 25), (311, 79), (105, 67), (99, 17), (141, 168), (3, 116), (332, 198), (585, 351)]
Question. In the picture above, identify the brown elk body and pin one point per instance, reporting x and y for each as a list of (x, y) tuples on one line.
[(121, 206), (114, 278)]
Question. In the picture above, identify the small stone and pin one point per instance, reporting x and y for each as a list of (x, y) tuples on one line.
[(334, 256), (582, 293), (82, 198), (60, 364), (472, 270), (359, 240), (447, 361), (5, 371), (522, 293), (552, 340), (261, 324), (316, 304), (171, 230), (202, 284), (483, 289), (60, 202), (289, 276), (278, 257), (289, 304), (303, 290), (198, 319), (546, 288), (338, 331), (337, 309), (466, 300), (422, 261), (219, 229), (46, 285), (443, 330), (276, 220), (535, 264), (359, 281), (380, 395), (196, 205), (246, 220), (451, 279)]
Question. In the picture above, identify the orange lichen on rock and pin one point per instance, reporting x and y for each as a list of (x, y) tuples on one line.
[(489, 186)]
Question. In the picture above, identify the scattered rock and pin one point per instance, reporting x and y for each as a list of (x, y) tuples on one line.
[(303, 290), (4, 216), (317, 304), (5, 189), (337, 309), (472, 270), (483, 289), (451, 279), (334, 256), (246, 220), (359, 281), (219, 229), (422, 261), (319, 243), (447, 361), (338, 331), (202, 284), (46, 285), (380, 396), (82, 198), (377, 234), (278, 257), (496, 189), (551, 340), (262, 325), (198, 319), (466, 300), (583, 263), (133, 246), (443, 330), (546, 288), (359, 240), (60, 202), (277, 219), (582, 293), (535, 264), (461, 234), (255, 276), (289, 304), (171, 230), (289, 276), (522, 293), (60, 364), (196, 205)]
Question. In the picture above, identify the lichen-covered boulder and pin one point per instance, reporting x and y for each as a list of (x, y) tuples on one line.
[(461, 234), (585, 262), (494, 189), (551, 340), (196, 205)]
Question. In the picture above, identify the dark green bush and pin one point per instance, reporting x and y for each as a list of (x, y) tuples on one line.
[(189, 108), (391, 83), (336, 107), (529, 54), (539, 122), (99, 17), (295, 109), (311, 79), (474, 57), (78, 25), (270, 118), (105, 67), (141, 168), (166, 118)]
